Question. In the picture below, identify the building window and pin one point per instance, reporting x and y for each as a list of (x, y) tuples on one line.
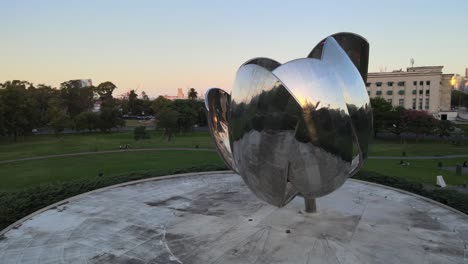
[(427, 92), (378, 84), (401, 102), (378, 92), (427, 104), (389, 92), (389, 100), (414, 91), (415, 83), (420, 91), (368, 92), (401, 83), (421, 83), (390, 83), (420, 104), (428, 82), (367, 84), (414, 103), (401, 92)]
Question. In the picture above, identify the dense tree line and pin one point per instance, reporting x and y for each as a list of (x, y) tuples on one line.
[(25, 108), (398, 120), (178, 116)]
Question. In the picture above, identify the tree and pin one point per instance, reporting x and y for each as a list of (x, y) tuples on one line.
[(132, 102), (394, 122), (145, 104), (381, 109), (59, 120), (140, 133), (109, 118), (144, 96), (57, 116), (444, 128), (105, 89), (168, 121), (86, 120), (187, 115), (18, 109), (2, 118), (43, 95), (160, 103), (77, 99), (418, 122), (192, 94)]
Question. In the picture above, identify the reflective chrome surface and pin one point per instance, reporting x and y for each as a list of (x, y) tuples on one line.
[(217, 106), (297, 128), (355, 46)]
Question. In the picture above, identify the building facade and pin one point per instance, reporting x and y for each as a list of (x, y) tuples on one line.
[(420, 88), (180, 95)]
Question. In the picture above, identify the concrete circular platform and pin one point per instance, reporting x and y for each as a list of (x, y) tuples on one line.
[(214, 218)]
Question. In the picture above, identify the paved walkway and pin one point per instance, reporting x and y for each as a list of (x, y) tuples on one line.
[(102, 152), (207, 149), (214, 218)]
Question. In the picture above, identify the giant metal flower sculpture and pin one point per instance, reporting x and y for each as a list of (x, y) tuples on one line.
[(297, 128)]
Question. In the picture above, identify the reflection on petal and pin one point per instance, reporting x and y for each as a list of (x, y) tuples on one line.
[(217, 106), (355, 46), (301, 127)]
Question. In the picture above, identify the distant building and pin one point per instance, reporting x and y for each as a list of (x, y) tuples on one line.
[(421, 88), (180, 95)]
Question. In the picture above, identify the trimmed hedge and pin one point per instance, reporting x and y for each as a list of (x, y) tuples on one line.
[(451, 198)]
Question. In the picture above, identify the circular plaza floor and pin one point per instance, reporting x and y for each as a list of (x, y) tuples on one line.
[(214, 218)]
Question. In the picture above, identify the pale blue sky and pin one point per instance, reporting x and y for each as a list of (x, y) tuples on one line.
[(157, 46)]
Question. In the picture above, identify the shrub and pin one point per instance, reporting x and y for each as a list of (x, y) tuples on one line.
[(451, 198), (140, 133)]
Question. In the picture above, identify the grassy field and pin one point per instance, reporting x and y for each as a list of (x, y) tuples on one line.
[(72, 143), (421, 171), (413, 148), (14, 176), (26, 186), (30, 173)]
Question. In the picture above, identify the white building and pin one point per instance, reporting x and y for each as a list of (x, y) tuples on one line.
[(421, 88), (180, 95)]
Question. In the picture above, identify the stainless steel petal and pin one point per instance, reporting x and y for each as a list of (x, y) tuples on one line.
[(263, 119), (327, 150), (354, 92), (302, 127), (217, 106), (355, 46), (266, 63)]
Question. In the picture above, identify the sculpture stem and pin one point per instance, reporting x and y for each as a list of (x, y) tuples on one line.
[(310, 205)]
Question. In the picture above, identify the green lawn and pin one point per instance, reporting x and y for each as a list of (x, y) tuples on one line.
[(14, 176), (413, 148), (72, 143), (421, 171), (28, 173)]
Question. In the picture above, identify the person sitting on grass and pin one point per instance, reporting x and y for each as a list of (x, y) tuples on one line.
[(404, 163)]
